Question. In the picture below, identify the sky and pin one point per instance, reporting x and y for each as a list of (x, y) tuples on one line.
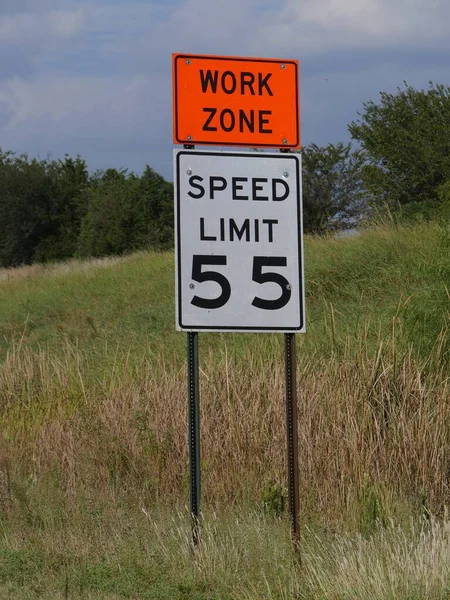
[(94, 78)]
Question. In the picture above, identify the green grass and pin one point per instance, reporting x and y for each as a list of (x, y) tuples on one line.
[(93, 433), (355, 287), (125, 303), (148, 554)]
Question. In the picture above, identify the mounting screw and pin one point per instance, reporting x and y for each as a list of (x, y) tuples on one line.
[(284, 141), (189, 171), (188, 62), (289, 286), (283, 66), (286, 174), (189, 137), (191, 286)]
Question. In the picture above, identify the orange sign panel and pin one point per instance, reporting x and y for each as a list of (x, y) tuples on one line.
[(235, 101)]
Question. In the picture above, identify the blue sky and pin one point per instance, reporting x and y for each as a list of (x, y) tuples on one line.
[(94, 78)]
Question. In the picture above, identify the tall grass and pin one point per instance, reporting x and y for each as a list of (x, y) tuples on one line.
[(108, 552), (93, 445), (373, 431)]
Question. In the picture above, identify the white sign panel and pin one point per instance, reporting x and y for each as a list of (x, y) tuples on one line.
[(239, 255)]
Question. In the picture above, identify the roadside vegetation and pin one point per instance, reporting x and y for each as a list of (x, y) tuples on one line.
[(93, 405), (93, 393), (56, 209)]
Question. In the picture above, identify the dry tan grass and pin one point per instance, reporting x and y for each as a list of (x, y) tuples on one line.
[(53, 269), (394, 563), (373, 432)]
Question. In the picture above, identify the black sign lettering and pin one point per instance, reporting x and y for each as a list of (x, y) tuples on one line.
[(203, 237), (208, 80), (263, 121), (256, 230), (227, 229), (212, 112), (270, 223), (198, 261), (264, 277), (279, 188), (249, 122), (262, 83), (236, 187), (240, 232), (258, 188), (192, 183), (247, 80), (231, 76), (232, 119), (216, 188), (228, 82), (276, 198), (246, 120)]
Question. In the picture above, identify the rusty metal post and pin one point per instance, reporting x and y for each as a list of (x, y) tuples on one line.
[(292, 436)]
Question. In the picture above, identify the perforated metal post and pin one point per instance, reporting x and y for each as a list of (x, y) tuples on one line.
[(292, 436), (194, 434)]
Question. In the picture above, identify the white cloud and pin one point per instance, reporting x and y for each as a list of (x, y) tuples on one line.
[(66, 23), (204, 26), (23, 28), (96, 117), (313, 26), (331, 100), (26, 6), (303, 29), (123, 107)]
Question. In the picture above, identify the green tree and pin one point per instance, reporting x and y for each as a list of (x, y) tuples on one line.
[(156, 210), (51, 210), (126, 213), (333, 196), (407, 140), (70, 178), (108, 225), (40, 211), (28, 215)]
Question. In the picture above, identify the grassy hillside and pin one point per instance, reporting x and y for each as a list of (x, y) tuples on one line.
[(93, 417), (355, 287)]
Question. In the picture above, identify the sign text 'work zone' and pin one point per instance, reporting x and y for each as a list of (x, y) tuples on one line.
[(239, 250), (235, 101)]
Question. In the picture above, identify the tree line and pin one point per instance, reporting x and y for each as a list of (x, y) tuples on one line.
[(55, 209)]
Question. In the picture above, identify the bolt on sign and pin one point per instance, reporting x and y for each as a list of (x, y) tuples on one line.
[(235, 101), (238, 244)]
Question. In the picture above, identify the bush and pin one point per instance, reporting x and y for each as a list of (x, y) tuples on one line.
[(333, 196), (407, 140)]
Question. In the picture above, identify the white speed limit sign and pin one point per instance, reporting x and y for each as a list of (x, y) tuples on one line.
[(239, 254)]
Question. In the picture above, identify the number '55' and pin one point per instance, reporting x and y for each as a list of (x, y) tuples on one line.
[(199, 260)]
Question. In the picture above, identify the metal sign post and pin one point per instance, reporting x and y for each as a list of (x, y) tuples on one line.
[(194, 427), (238, 222), (292, 436), (194, 433)]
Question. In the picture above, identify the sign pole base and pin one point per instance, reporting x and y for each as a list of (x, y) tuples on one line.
[(292, 436), (194, 434)]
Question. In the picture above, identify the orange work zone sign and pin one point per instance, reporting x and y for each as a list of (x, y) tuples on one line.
[(235, 101)]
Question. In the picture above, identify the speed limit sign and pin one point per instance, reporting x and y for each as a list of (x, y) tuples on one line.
[(239, 255)]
